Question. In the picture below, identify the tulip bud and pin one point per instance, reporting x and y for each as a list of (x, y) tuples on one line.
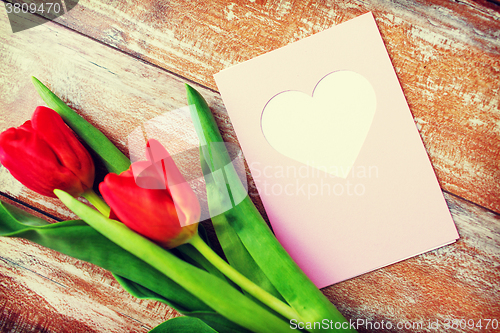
[(44, 154), (153, 199)]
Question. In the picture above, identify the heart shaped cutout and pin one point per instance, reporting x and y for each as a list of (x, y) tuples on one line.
[(327, 130)]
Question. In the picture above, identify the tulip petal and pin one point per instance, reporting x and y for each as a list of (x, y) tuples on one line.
[(185, 200), (70, 152), (113, 158), (148, 212), (148, 176), (153, 199), (31, 161)]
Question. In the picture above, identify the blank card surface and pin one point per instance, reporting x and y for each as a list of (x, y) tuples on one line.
[(335, 153)]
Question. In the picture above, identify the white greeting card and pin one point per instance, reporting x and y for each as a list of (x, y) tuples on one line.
[(335, 154)]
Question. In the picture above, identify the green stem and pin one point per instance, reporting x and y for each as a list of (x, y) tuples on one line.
[(213, 291), (98, 203), (246, 284)]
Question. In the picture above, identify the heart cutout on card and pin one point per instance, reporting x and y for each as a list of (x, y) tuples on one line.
[(327, 130)]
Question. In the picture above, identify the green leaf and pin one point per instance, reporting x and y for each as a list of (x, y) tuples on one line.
[(251, 229), (114, 160), (217, 322), (183, 325), (79, 240), (142, 292), (214, 292), (191, 255), (223, 183), (14, 219), (197, 322)]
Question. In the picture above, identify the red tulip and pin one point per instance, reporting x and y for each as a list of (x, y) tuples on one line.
[(44, 155), (153, 199)]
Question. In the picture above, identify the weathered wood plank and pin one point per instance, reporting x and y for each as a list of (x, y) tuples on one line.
[(459, 281), (198, 39), (82, 72), (446, 53), (44, 291), (113, 91), (464, 150)]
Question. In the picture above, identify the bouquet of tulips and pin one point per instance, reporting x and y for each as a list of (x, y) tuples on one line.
[(145, 226)]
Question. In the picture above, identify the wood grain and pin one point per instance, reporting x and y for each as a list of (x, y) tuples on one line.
[(44, 291), (450, 79), (455, 102), (446, 54), (459, 281)]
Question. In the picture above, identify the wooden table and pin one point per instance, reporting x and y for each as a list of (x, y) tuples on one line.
[(120, 63)]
